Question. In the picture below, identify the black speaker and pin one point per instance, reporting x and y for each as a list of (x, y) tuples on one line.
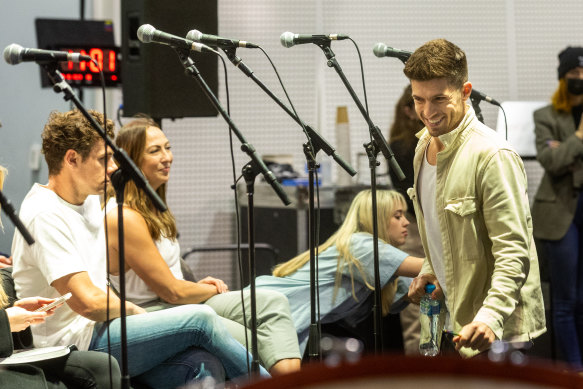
[(154, 81)]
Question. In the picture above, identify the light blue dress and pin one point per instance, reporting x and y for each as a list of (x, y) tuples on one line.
[(344, 307)]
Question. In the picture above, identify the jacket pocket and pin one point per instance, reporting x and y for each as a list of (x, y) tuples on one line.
[(462, 207), (463, 220)]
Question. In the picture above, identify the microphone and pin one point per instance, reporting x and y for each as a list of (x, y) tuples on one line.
[(213, 40), (148, 33), (289, 39), (15, 54), (382, 50), (478, 96)]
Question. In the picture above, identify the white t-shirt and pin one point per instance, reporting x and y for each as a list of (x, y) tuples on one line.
[(427, 187), (69, 239), (137, 291)]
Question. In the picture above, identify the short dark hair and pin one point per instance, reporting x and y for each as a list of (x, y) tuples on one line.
[(70, 131), (438, 58)]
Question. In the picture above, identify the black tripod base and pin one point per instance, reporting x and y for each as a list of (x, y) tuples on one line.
[(314, 342)]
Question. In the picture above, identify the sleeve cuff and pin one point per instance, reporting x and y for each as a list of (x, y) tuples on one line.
[(492, 320)]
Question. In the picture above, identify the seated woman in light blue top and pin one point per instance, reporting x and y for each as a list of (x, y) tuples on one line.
[(345, 266)]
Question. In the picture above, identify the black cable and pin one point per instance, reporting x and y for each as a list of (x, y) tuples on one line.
[(237, 215), (317, 209), (367, 112), (505, 122), (363, 82), (102, 78), (361, 75), (289, 101), (317, 252)]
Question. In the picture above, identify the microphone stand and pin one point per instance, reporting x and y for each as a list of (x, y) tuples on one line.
[(317, 142), (133, 172), (249, 174), (476, 104), (8, 209), (377, 144), (119, 180), (314, 334)]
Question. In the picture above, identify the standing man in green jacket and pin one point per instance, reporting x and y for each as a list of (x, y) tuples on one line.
[(470, 199)]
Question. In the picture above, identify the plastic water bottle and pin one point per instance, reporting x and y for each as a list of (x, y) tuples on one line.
[(429, 317)]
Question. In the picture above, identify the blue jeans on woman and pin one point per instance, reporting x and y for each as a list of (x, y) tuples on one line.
[(565, 258), (164, 346)]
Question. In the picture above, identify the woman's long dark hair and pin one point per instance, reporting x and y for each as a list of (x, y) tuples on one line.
[(404, 128)]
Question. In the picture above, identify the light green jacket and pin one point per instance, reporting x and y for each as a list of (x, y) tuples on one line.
[(490, 260)]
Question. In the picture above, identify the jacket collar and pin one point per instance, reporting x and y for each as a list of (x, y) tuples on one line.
[(451, 137)]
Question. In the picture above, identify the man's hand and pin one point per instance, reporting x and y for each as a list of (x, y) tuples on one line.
[(417, 288), (476, 335), (133, 309), (553, 144), (5, 262), (219, 284)]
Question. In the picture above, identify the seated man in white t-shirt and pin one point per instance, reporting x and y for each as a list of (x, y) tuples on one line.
[(165, 349)]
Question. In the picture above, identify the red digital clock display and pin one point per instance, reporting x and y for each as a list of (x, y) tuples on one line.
[(86, 73)]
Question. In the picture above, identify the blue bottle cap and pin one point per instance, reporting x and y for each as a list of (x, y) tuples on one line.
[(429, 288)]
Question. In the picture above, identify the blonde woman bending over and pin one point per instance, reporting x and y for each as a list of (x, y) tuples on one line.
[(346, 275)]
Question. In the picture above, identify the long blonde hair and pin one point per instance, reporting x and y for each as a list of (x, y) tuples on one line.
[(358, 219), (3, 296), (132, 138)]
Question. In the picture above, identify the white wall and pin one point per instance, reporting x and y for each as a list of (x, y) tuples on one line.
[(24, 106), (511, 47)]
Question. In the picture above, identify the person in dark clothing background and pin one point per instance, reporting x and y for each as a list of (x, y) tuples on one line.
[(558, 204)]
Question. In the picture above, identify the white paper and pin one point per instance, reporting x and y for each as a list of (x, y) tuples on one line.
[(35, 355)]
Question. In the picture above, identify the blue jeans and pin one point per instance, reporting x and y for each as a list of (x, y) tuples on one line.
[(162, 345), (566, 269), (192, 365)]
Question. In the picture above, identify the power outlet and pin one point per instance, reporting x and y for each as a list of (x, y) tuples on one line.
[(34, 157)]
